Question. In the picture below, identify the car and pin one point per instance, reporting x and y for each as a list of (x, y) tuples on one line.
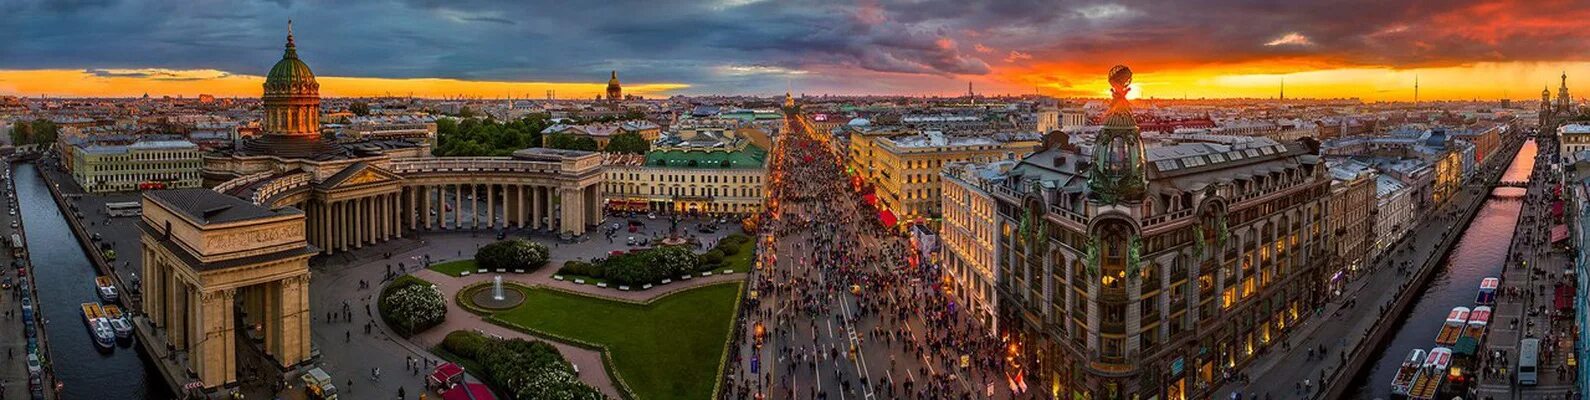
[(630, 241), (5, 283), (501, 235), (34, 368)]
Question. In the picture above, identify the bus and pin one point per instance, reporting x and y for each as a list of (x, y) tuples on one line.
[(124, 209), (1528, 362)]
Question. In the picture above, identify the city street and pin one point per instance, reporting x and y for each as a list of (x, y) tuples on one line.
[(840, 311)]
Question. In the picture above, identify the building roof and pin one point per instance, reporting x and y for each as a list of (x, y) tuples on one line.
[(210, 207), (750, 157)]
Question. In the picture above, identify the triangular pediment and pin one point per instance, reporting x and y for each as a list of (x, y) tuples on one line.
[(358, 174)]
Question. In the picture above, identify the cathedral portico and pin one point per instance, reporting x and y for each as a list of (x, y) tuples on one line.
[(212, 260)]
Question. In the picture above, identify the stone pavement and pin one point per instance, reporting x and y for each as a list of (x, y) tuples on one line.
[(336, 280), (1338, 329), (14, 371)]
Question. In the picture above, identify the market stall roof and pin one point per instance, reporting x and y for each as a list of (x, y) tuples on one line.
[(445, 372), (888, 218), (1559, 233)]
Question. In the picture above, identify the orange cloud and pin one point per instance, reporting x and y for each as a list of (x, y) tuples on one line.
[(159, 82)]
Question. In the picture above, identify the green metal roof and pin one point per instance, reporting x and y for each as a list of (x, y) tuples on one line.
[(750, 157)]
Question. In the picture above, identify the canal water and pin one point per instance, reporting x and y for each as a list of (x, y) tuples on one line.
[(65, 279), (1480, 253)]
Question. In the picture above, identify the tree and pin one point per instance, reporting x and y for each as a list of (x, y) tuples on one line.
[(412, 305), (628, 142), (471, 137), (585, 143), (466, 112), (512, 254), (359, 108)]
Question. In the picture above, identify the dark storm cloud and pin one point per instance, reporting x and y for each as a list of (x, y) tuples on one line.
[(857, 46)]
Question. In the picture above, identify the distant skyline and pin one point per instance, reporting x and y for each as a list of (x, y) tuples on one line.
[(1372, 50)]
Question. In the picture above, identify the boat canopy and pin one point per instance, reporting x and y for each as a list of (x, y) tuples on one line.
[(1439, 358), (1480, 316), (1490, 284), (1459, 315)]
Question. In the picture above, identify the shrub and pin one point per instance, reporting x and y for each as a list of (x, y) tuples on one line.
[(524, 369), (412, 305), (674, 260), (467, 344), (577, 267), (512, 254), (728, 249), (713, 257)]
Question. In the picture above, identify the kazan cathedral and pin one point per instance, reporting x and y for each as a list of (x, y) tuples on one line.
[(365, 192)]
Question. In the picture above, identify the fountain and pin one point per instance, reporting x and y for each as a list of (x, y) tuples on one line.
[(496, 288), (495, 297)]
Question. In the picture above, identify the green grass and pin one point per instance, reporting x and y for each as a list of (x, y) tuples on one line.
[(741, 262), (669, 349), (455, 268)]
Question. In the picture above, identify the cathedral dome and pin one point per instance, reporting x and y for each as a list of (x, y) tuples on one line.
[(291, 76)]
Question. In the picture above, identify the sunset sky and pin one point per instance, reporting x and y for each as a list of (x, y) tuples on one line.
[(1457, 49)]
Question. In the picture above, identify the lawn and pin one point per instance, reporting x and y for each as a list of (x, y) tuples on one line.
[(455, 268), (668, 349), (741, 262)]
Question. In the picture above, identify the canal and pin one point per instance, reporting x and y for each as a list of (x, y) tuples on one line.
[(65, 279), (1479, 253)]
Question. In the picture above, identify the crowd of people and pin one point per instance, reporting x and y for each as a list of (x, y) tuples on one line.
[(844, 309)]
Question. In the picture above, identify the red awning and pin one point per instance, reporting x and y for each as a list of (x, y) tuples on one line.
[(870, 198), (1556, 209), (1559, 233), (887, 218), (445, 373)]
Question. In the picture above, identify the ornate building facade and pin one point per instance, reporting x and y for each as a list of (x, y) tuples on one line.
[(369, 191), (1130, 269), (1554, 113)]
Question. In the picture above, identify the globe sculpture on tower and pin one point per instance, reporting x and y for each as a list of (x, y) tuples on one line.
[(1117, 176)]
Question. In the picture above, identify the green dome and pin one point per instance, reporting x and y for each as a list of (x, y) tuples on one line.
[(290, 75), (289, 69)]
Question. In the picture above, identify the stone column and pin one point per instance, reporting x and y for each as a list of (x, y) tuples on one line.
[(214, 357), (491, 206), (426, 206), (458, 206), (537, 207), (519, 206), (399, 216), (292, 310), (339, 235)]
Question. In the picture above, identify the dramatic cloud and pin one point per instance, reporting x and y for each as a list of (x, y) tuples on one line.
[(821, 46), (1291, 39)]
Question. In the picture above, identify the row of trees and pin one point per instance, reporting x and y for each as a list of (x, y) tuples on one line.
[(639, 268), (512, 254), (521, 368), (489, 137), (39, 131)]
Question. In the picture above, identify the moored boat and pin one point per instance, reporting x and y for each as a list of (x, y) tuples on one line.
[(1487, 294), (1453, 328), (118, 322), (1431, 374), (99, 326), (1407, 372), (106, 289), (1478, 319)]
